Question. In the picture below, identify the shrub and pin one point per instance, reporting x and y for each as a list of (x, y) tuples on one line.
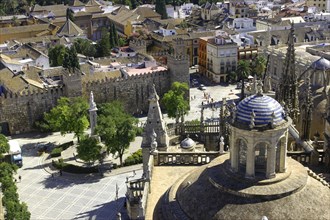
[(114, 166), (71, 168), (139, 131), (66, 145), (56, 152), (135, 158)]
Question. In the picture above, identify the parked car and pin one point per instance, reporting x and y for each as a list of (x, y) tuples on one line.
[(201, 87)]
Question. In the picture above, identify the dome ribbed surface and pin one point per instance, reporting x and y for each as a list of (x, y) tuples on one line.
[(263, 108), (187, 143), (321, 64)]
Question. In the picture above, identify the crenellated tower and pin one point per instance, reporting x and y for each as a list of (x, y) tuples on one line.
[(72, 83), (138, 45), (287, 92), (178, 63)]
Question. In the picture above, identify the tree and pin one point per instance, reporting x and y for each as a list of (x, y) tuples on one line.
[(134, 4), (259, 66), (113, 38), (4, 146), (14, 209), (116, 128), (71, 61), (122, 42), (8, 7), (69, 14), (70, 115), (174, 100), (243, 71), (115, 34), (103, 46), (56, 55), (85, 47), (88, 149), (161, 8)]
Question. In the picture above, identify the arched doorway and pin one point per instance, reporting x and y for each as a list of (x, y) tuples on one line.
[(260, 159)]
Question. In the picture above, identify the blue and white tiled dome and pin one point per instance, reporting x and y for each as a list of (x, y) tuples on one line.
[(263, 107)]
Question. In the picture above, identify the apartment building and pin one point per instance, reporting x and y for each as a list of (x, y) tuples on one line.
[(221, 57)]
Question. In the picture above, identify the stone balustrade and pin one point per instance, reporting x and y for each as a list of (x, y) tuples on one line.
[(185, 158)]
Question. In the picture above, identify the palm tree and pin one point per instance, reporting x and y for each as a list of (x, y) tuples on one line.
[(259, 65), (243, 71)]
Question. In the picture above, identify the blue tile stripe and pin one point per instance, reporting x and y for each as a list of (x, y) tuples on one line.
[(263, 107)]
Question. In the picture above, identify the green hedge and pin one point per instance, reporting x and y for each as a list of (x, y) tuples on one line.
[(66, 145), (135, 158), (71, 168), (56, 152)]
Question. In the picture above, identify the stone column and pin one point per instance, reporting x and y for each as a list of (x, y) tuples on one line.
[(233, 154), (283, 152), (92, 114), (250, 157), (271, 160)]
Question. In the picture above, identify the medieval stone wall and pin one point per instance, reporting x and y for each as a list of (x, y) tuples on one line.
[(21, 111), (133, 92)]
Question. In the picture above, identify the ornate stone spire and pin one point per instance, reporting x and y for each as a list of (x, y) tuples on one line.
[(155, 123), (307, 111), (288, 89), (92, 113)]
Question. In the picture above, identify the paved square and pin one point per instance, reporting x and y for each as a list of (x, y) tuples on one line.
[(65, 197)]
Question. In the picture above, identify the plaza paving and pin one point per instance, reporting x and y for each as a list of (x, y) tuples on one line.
[(90, 197)]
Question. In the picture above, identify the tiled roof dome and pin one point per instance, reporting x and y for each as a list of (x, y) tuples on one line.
[(188, 143), (321, 64), (265, 110)]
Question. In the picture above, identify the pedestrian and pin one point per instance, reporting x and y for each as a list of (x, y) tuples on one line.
[(20, 178), (61, 173)]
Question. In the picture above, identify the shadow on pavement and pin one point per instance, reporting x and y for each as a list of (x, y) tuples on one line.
[(56, 181), (32, 135), (106, 211)]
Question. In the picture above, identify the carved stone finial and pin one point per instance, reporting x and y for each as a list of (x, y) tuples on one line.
[(154, 144), (272, 122), (259, 88), (233, 113), (253, 115)]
